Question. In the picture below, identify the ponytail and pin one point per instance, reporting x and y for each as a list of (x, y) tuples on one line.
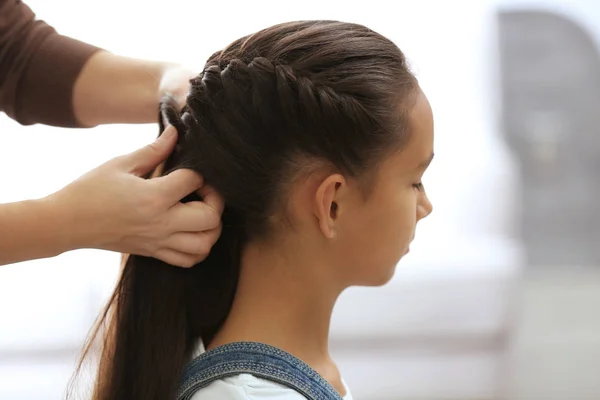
[(158, 313)]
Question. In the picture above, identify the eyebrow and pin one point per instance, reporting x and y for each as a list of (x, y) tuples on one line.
[(424, 164)]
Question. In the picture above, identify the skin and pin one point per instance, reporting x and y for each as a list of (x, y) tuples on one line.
[(112, 207), (113, 89), (339, 239)]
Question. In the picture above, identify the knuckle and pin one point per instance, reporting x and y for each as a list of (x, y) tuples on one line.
[(154, 201), (213, 218)]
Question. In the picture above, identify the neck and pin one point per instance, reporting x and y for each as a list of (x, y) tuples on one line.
[(284, 301)]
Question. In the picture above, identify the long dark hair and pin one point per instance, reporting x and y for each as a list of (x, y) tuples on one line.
[(312, 90)]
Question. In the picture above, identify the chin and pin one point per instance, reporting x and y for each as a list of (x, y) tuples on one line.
[(383, 276)]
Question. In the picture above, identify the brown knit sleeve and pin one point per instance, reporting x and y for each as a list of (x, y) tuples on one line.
[(38, 68)]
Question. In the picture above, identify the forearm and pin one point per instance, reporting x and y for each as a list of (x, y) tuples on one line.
[(34, 229), (38, 68), (116, 89)]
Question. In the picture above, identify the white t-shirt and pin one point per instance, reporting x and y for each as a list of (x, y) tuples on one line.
[(249, 387)]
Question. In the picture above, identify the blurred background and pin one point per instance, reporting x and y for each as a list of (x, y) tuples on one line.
[(500, 295)]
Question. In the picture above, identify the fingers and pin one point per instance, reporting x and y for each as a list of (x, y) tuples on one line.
[(176, 258), (178, 184), (212, 198), (186, 249), (147, 158), (144, 160), (198, 244), (194, 216), (196, 227)]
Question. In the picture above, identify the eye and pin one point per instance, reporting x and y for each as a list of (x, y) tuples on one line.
[(419, 186)]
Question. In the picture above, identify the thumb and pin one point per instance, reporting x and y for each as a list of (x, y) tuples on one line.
[(144, 160)]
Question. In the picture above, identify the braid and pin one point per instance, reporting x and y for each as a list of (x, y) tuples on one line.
[(281, 100), (270, 108)]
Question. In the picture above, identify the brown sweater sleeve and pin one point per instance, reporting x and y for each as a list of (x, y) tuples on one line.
[(38, 68)]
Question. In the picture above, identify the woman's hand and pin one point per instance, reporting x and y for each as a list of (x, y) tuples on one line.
[(175, 81), (113, 208)]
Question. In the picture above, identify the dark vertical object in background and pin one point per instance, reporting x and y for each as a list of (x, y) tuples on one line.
[(550, 83)]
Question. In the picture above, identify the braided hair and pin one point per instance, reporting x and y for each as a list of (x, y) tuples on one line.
[(263, 111)]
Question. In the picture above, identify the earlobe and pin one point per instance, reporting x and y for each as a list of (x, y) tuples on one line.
[(327, 205)]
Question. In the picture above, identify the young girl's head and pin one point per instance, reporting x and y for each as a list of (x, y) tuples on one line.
[(317, 135)]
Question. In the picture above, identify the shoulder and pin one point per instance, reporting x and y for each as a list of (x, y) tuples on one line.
[(246, 387)]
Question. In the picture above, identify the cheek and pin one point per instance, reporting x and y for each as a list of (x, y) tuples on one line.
[(379, 238), (397, 219), (396, 229)]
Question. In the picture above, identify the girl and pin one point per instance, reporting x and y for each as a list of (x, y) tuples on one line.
[(317, 135)]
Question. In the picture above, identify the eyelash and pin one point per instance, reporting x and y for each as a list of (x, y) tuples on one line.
[(419, 186)]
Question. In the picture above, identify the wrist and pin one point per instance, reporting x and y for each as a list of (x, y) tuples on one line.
[(70, 231), (115, 89), (154, 89)]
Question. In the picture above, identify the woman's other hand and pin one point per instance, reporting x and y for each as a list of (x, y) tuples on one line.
[(175, 81), (113, 208)]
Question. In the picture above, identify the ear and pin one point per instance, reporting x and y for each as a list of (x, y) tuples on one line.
[(326, 202)]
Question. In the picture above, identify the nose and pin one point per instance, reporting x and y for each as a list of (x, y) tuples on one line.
[(424, 207)]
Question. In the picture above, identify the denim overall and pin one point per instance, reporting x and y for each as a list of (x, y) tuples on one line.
[(260, 360)]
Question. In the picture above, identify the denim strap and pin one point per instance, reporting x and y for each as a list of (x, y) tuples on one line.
[(260, 360)]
